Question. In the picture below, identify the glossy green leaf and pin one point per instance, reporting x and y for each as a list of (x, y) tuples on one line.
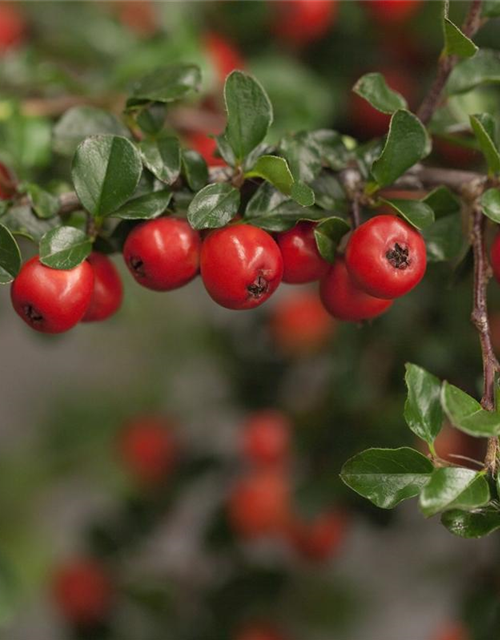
[(43, 203), (274, 211), (266, 201), (302, 153), (416, 212), (406, 144), (168, 84), (490, 202), (287, 219), (374, 89), (331, 149), (423, 412), (10, 256), (21, 220), (275, 170), (386, 477), (329, 193), (106, 171), (454, 488), (328, 233), (214, 206), (456, 42), (302, 194), (483, 68), (145, 207), (64, 248), (465, 413), (484, 127), (472, 524), (444, 239), (194, 169), (81, 122), (249, 113), (443, 202), (162, 157)]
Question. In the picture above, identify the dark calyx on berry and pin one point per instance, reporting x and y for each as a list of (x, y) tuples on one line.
[(259, 287), (137, 265), (399, 257), (32, 314)]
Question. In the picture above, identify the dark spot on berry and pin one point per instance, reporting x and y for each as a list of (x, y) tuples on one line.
[(32, 314), (137, 266), (399, 257), (259, 287)]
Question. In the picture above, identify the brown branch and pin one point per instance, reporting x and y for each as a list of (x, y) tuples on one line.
[(446, 65)]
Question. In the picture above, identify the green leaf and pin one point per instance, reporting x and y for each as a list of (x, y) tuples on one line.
[(272, 210), (10, 256), (329, 193), (328, 233), (406, 144), (168, 84), (64, 248), (490, 202), (44, 204), (302, 194), (331, 149), (275, 170), (387, 476), (443, 202), (249, 113), (484, 127), (145, 207), (444, 239), (456, 42), (483, 68), (472, 524), (373, 88), (79, 123), (214, 206), (465, 413), (194, 169), (162, 157), (106, 171), (454, 488), (21, 220), (423, 412), (416, 212), (302, 153)]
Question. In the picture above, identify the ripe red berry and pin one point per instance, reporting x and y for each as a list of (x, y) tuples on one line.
[(52, 300), (393, 13), (452, 631), (163, 254), (259, 632), (12, 26), (83, 592), (302, 261), (266, 437), (108, 289), (344, 301), (386, 257), (139, 16), (241, 266), (299, 323), (320, 539), (7, 181), (259, 504), (206, 147), (300, 22), (223, 55), (148, 449)]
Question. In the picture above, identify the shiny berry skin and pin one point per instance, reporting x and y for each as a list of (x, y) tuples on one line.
[(300, 324), (241, 266), (223, 54), (259, 632), (83, 592), (302, 261), (108, 289), (206, 146), (259, 504), (148, 449), (344, 301), (266, 438), (300, 22), (386, 257), (7, 183), (163, 254), (320, 539), (52, 300), (393, 13), (12, 26)]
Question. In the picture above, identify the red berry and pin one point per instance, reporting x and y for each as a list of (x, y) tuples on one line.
[(259, 504), (223, 55), (241, 266), (139, 16), (83, 592), (266, 437), (108, 289), (300, 22), (302, 261), (7, 181), (52, 300), (12, 26), (344, 300), (455, 155), (452, 631), (163, 254), (386, 257), (320, 539), (148, 449), (206, 146), (393, 12), (259, 632), (299, 324)]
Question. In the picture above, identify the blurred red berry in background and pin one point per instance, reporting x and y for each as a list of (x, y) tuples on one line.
[(266, 437)]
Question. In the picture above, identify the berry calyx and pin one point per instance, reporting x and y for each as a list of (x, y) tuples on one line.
[(386, 257), (148, 449), (266, 438), (52, 300), (163, 254), (302, 261), (83, 592), (241, 266), (108, 289), (344, 300)]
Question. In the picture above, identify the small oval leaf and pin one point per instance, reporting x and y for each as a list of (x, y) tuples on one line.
[(64, 248), (214, 206), (10, 256)]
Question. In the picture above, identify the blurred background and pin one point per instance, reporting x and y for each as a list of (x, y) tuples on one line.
[(132, 473)]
